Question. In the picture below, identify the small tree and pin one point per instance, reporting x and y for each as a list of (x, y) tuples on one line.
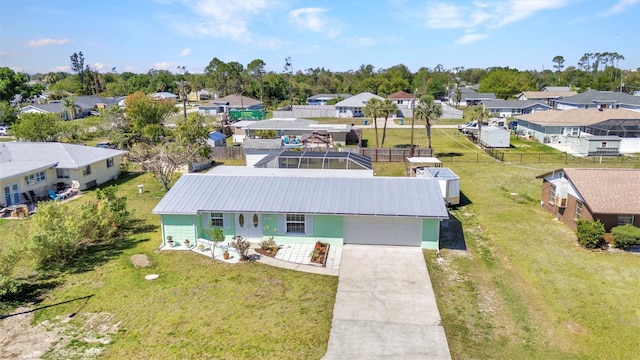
[(37, 127), (590, 233), (217, 236), (162, 160)]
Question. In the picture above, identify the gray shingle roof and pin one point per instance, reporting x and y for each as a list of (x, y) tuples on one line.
[(591, 96), (357, 100), (513, 104), (377, 196), (16, 168), (237, 101), (476, 96)]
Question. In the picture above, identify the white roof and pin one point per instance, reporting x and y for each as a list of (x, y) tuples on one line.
[(429, 160), (252, 171)]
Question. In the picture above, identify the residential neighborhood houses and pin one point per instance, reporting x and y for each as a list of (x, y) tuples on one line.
[(298, 185)]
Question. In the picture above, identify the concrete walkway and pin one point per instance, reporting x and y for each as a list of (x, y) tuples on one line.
[(385, 307)]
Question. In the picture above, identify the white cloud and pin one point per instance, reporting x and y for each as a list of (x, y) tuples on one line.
[(219, 18), (313, 19), (45, 42), (469, 38), (185, 52), (99, 66), (487, 14), (130, 68), (621, 6), (64, 68), (16, 68), (165, 65)]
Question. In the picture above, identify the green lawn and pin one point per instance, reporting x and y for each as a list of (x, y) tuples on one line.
[(199, 308)]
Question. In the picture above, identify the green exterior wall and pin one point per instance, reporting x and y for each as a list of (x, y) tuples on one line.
[(180, 227), (327, 228), (430, 233), (204, 233)]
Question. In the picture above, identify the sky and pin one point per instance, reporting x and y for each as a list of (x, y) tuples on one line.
[(339, 35)]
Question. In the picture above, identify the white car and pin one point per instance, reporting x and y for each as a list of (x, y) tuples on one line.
[(4, 130)]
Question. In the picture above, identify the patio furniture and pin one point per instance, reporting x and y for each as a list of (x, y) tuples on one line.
[(54, 196), (36, 197), (27, 199)]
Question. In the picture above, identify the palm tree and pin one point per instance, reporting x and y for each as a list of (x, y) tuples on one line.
[(428, 110), (479, 113), (373, 109), (69, 106), (388, 108)]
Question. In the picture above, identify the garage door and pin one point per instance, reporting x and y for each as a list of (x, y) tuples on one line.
[(367, 230)]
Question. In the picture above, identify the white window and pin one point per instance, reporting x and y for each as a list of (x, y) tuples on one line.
[(87, 170), (578, 210), (603, 144), (552, 195), (216, 220), (62, 173), (295, 224), (625, 219), (109, 162), (35, 178)]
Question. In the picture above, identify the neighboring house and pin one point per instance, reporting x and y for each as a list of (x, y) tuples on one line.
[(298, 127), (567, 126), (322, 99), (217, 139), (257, 149), (302, 209), (556, 88), (40, 166), (469, 97), (230, 102), (403, 99), (200, 95), (354, 106), (324, 160), (495, 137), (163, 95), (509, 108), (593, 99), (548, 97), (84, 105), (608, 195)]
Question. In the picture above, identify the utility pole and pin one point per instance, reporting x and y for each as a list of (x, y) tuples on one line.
[(289, 68), (184, 95)]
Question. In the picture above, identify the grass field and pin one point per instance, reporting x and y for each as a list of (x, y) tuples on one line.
[(522, 289)]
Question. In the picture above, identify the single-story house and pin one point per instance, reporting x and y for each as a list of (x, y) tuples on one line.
[(608, 195), (257, 149), (202, 94), (300, 209), (469, 97), (298, 127), (548, 97), (229, 103), (495, 137), (164, 95), (560, 126), (217, 139), (354, 106), (84, 105), (322, 99), (594, 99), (509, 108), (40, 166)]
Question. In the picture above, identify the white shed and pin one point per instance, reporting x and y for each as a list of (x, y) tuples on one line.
[(448, 180), (495, 137)]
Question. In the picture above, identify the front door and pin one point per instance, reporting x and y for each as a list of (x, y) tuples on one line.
[(249, 225), (11, 194)]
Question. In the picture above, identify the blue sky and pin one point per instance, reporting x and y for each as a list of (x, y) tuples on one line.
[(340, 35)]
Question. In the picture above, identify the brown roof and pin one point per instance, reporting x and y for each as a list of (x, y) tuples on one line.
[(578, 117), (608, 191), (400, 95), (537, 95)]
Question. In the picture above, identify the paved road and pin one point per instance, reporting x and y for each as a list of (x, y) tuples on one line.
[(392, 125), (385, 307)]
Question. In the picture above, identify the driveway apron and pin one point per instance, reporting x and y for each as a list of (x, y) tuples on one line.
[(385, 307)]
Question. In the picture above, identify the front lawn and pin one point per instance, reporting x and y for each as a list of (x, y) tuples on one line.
[(198, 308)]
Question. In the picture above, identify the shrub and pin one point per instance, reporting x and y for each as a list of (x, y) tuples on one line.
[(241, 244), (590, 233), (625, 236), (267, 244), (9, 256), (53, 239), (105, 219)]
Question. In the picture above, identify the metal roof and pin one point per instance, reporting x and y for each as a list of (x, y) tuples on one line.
[(253, 171), (441, 173), (281, 124), (376, 196), (68, 156)]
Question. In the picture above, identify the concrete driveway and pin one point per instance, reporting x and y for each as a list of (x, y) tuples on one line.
[(385, 307)]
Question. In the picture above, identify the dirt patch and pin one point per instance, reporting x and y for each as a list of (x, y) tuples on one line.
[(81, 337), (140, 260)]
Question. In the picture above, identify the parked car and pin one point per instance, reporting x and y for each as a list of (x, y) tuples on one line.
[(460, 127), (4, 130), (473, 128), (106, 145)]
